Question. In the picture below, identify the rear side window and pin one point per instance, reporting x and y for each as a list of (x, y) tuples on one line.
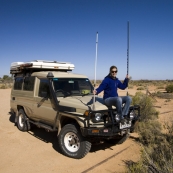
[(29, 83), (44, 87), (18, 83)]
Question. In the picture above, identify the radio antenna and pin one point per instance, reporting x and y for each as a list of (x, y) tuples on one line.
[(127, 52), (95, 69)]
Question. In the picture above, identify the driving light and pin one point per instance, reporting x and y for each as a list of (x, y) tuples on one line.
[(132, 115), (117, 118)]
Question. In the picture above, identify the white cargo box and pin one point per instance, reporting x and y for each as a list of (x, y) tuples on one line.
[(40, 65)]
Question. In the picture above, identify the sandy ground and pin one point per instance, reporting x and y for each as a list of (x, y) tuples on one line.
[(37, 150)]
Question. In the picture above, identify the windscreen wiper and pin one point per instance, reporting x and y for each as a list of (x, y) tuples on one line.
[(66, 93)]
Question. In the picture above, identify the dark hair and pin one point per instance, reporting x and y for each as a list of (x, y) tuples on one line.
[(112, 67)]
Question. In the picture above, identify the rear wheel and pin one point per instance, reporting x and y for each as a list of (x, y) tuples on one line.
[(22, 123), (72, 143)]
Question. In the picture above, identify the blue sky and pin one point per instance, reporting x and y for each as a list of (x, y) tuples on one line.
[(65, 30)]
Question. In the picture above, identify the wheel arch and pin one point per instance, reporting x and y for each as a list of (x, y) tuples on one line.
[(20, 107), (67, 120)]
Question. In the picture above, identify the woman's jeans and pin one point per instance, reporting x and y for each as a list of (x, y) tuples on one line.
[(118, 103)]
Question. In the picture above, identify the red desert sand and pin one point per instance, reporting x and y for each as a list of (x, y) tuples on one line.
[(37, 151)]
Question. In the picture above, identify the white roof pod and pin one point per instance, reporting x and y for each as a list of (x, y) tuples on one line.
[(40, 65)]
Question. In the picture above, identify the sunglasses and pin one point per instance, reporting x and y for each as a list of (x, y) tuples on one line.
[(114, 71)]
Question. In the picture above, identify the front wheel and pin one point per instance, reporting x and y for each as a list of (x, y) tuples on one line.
[(72, 143)]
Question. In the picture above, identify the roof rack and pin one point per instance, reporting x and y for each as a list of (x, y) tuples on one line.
[(40, 65)]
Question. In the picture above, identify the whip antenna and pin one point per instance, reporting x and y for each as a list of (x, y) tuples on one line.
[(127, 52), (95, 69)]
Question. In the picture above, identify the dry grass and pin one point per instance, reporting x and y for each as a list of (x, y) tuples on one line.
[(6, 85), (156, 140)]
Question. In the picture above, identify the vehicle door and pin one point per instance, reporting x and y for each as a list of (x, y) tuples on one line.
[(44, 109)]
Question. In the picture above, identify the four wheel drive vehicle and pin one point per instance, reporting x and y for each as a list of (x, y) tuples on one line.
[(47, 94)]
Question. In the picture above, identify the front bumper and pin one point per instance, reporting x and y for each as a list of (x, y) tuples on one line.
[(101, 132), (109, 127)]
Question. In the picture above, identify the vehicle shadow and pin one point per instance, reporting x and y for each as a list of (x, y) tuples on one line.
[(40, 133), (101, 146), (45, 136), (51, 137), (12, 117)]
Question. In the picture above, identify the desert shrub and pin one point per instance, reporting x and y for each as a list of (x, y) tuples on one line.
[(140, 88), (157, 147), (156, 157), (169, 88), (137, 167), (160, 87), (10, 85), (98, 82), (3, 87), (130, 86), (147, 110), (139, 84), (167, 100), (163, 95), (149, 132)]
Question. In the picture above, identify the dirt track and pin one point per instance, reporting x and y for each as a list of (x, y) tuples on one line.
[(37, 150)]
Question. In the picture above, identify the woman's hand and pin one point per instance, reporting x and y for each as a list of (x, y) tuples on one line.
[(127, 76), (94, 91)]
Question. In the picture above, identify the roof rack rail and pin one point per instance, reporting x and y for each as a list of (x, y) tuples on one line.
[(47, 61), (40, 65)]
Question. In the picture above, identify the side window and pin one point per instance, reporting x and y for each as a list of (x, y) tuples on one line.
[(44, 87), (29, 84), (18, 83)]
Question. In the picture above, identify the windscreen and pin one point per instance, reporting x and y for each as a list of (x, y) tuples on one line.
[(72, 86)]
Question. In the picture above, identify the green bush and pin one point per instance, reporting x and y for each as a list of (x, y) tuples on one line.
[(169, 88)]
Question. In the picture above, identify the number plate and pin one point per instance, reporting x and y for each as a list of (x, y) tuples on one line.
[(125, 125)]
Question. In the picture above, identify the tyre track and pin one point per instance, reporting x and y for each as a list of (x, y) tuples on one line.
[(105, 160)]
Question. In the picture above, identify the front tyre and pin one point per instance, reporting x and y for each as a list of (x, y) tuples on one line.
[(72, 143)]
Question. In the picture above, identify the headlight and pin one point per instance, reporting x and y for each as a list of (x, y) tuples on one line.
[(98, 116)]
